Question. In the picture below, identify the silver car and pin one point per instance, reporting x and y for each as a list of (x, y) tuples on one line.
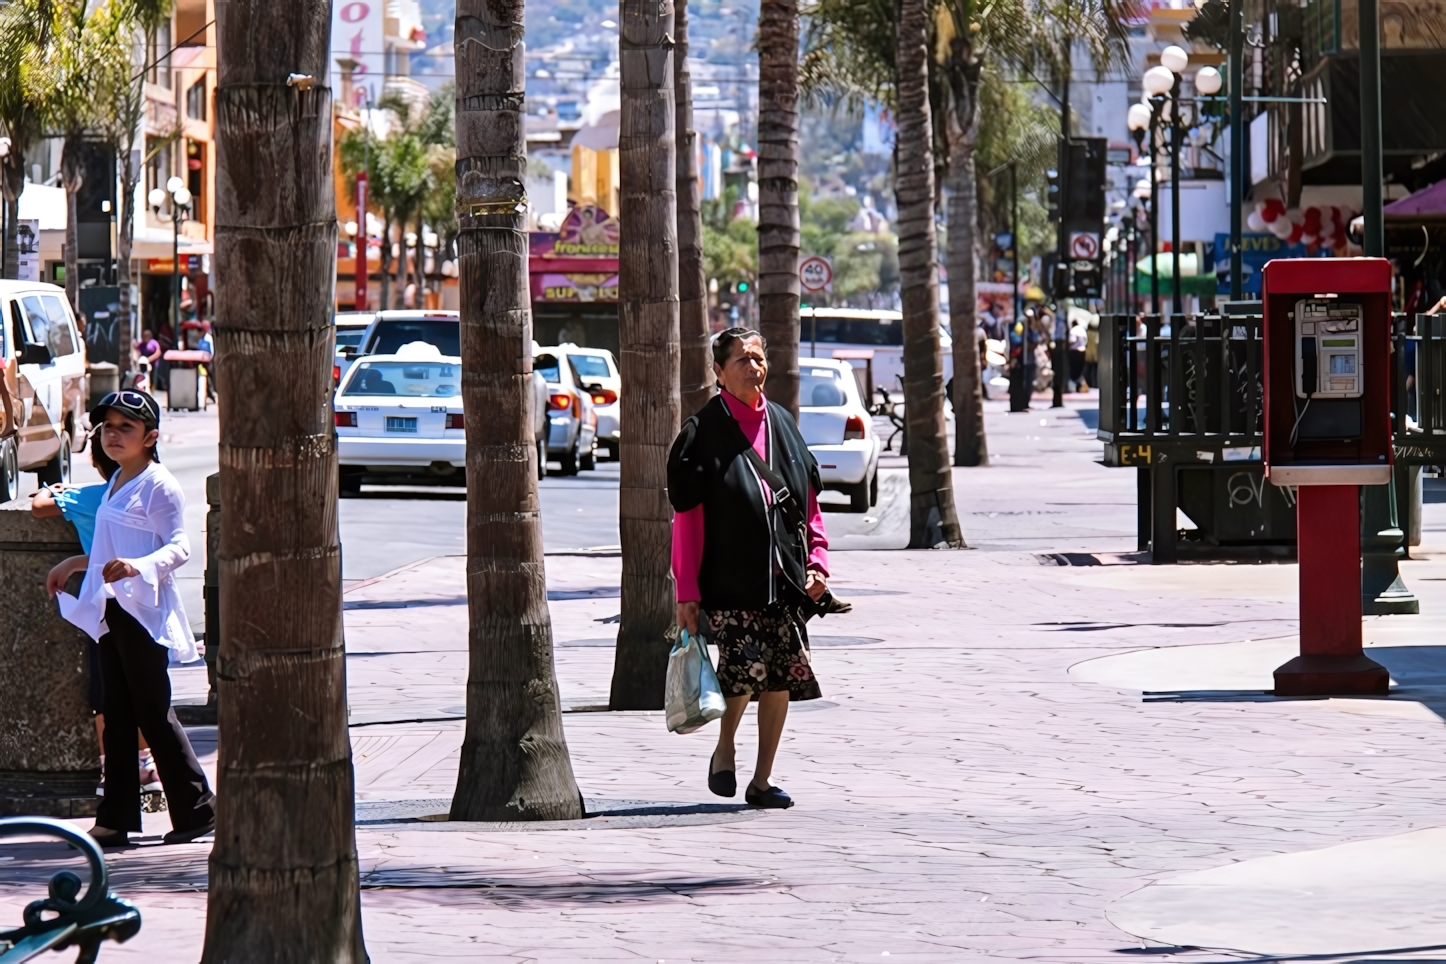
[(599, 374), (571, 421)]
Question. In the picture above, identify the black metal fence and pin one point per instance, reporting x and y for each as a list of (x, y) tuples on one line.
[(1181, 401)]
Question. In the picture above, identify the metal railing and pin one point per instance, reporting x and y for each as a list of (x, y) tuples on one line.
[(81, 921), (1212, 364)]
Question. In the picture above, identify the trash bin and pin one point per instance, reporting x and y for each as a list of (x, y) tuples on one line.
[(104, 379), (186, 385)]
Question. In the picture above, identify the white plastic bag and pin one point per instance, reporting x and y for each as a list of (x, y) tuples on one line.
[(691, 696)]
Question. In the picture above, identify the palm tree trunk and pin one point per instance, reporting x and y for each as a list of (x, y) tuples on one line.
[(385, 267), (648, 330), (515, 764), (778, 235), (970, 446), (125, 239), (72, 175), (283, 871), (695, 360), (932, 518), (12, 182)]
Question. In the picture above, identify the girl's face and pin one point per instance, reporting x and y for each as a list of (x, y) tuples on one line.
[(127, 440)]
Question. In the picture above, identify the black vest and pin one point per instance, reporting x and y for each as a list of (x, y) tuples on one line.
[(743, 540)]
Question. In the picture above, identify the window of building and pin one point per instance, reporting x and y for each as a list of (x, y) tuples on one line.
[(196, 178), (158, 46), (158, 167), (196, 100)]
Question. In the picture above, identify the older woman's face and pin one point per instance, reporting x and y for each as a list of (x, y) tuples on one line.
[(746, 369)]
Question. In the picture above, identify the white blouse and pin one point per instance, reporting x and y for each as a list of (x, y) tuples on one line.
[(141, 523)]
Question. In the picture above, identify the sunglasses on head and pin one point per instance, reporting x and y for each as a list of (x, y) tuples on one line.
[(125, 397)]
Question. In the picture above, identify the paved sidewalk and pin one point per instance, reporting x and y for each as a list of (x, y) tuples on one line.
[(962, 794)]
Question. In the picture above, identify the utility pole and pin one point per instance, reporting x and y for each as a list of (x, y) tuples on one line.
[(1382, 541), (1238, 171), (1062, 303)]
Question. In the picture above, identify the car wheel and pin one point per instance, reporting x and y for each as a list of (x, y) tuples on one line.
[(9, 471), (589, 461), (874, 489), (57, 470), (569, 461), (541, 460), (349, 484), (859, 497)]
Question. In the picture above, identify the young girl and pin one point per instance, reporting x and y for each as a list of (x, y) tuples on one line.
[(78, 505), (129, 603)]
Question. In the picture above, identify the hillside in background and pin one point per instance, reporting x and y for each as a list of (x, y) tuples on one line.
[(720, 31)]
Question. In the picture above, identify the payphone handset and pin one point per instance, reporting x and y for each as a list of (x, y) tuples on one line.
[(1328, 359)]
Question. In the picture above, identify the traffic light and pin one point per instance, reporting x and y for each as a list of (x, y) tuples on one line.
[(1084, 203), (742, 287), (1052, 193)]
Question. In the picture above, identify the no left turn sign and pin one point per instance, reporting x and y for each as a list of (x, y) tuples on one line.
[(1084, 246)]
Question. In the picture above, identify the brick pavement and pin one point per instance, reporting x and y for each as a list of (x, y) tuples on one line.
[(961, 796)]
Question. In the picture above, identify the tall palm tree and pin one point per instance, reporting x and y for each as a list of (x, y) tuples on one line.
[(695, 361), (283, 871), (24, 33), (515, 764), (648, 332), (778, 227), (72, 62), (932, 518), (121, 104)]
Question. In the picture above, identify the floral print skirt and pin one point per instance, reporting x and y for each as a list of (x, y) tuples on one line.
[(763, 651)]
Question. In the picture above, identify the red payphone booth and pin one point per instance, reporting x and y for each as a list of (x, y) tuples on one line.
[(1328, 432)]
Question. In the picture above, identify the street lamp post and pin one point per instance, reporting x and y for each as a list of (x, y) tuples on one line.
[(4, 212), (1142, 120), (175, 191)]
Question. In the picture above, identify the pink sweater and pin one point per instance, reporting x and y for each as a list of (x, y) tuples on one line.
[(688, 526)]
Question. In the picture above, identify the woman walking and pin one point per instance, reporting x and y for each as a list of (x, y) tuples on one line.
[(749, 552), (129, 604)]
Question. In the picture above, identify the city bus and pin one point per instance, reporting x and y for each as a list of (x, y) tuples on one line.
[(853, 332)]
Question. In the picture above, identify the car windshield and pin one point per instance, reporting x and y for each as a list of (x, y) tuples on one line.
[(590, 366), (408, 379), (391, 334), (349, 337), (852, 331), (547, 367), (820, 388)]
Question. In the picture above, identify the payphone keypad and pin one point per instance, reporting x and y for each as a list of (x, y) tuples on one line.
[(1327, 349)]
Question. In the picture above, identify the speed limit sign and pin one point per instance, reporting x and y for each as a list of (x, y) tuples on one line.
[(815, 273)]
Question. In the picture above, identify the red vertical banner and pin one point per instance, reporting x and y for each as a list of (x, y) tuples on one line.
[(361, 241)]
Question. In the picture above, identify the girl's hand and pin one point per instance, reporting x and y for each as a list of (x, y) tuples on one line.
[(118, 569), (60, 574)]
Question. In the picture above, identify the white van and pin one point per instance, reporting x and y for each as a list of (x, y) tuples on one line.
[(43, 403)]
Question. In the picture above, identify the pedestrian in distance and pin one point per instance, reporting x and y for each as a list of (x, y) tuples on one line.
[(77, 504), (130, 605), (750, 554)]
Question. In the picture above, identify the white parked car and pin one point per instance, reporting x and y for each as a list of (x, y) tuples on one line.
[(597, 370), (838, 430), (399, 419), (350, 327), (571, 422)]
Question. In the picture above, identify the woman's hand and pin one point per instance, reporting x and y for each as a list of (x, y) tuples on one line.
[(118, 569), (688, 617), (816, 585), (60, 574)]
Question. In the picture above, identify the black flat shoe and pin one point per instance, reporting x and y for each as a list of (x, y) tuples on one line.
[(186, 836), (723, 783), (771, 798), (109, 838)]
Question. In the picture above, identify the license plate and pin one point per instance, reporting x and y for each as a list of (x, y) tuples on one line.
[(398, 424)]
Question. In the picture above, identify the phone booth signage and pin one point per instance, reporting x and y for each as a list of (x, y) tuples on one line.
[(1328, 432)]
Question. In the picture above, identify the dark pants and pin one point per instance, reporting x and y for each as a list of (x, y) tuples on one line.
[(137, 694)]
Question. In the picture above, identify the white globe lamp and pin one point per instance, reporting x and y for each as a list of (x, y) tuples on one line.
[(1139, 117), (1174, 59), (1158, 80), (1208, 81)]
